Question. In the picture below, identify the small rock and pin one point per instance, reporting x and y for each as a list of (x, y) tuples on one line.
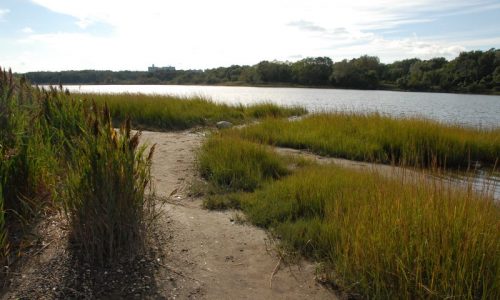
[(294, 118), (224, 124)]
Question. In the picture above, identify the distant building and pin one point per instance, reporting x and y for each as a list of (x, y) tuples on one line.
[(153, 68)]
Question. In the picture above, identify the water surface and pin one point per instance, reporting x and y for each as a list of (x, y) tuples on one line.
[(470, 110)]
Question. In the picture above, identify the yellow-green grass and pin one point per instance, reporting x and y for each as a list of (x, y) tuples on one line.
[(376, 138), (235, 164), (380, 238), (384, 238), (169, 112)]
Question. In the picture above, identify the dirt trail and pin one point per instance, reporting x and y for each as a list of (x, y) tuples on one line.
[(211, 256)]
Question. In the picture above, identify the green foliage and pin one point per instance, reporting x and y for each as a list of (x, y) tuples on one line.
[(312, 71), (470, 72), (274, 71), (234, 164), (168, 112), (377, 138), (361, 73)]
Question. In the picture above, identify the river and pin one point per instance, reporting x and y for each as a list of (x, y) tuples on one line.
[(469, 110)]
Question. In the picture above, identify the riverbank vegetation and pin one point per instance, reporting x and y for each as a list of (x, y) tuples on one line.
[(414, 142), (58, 152), (169, 112), (470, 72), (376, 236)]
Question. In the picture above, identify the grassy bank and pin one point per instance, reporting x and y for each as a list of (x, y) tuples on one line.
[(168, 112), (376, 138), (61, 152), (378, 237)]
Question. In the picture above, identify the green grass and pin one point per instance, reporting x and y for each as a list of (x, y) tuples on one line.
[(380, 238), (376, 138), (61, 152), (234, 164), (26, 159), (169, 112), (105, 192)]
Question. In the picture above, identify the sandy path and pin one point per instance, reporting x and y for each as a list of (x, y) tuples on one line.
[(212, 256)]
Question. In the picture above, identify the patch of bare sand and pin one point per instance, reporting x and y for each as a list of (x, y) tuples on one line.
[(212, 256)]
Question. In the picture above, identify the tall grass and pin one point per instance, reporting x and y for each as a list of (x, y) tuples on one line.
[(234, 164), (23, 158), (381, 238), (377, 138), (386, 238), (3, 231), (61, 151), (105, 192), (169, 112)]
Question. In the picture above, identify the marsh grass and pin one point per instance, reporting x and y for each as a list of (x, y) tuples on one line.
[(379, 237), (24, 157), (235, 164), (169, 112), (58, 151), (105, 192), (3, 231), (373, 137)]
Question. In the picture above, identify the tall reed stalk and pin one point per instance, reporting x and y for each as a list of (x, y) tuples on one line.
[(105, 193)]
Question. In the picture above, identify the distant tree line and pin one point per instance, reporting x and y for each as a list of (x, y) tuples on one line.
[(470, 72)]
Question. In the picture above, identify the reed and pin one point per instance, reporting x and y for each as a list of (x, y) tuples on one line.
[(168, 112), (62, 152), (23, 158), (376, 138), (105, 192)]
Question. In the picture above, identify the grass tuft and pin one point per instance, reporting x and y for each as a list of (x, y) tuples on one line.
[(372, 137), (234, 164)]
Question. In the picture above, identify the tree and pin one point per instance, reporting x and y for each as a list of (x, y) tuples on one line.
[(312, 71)]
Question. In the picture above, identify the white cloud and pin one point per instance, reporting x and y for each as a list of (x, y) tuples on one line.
[(27, 30), (3, 13), (201, 34)]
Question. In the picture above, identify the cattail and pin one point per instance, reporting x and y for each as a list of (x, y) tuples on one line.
[(96, 127), (127, 127), (106, 115), (134, 141), (151, 152)]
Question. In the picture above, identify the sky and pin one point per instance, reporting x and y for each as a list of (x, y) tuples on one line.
[(54, 35)]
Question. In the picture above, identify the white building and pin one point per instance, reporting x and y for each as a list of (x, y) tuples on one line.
[(153, 68)]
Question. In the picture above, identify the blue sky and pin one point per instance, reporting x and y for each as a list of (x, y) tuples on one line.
[(130, 35)]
